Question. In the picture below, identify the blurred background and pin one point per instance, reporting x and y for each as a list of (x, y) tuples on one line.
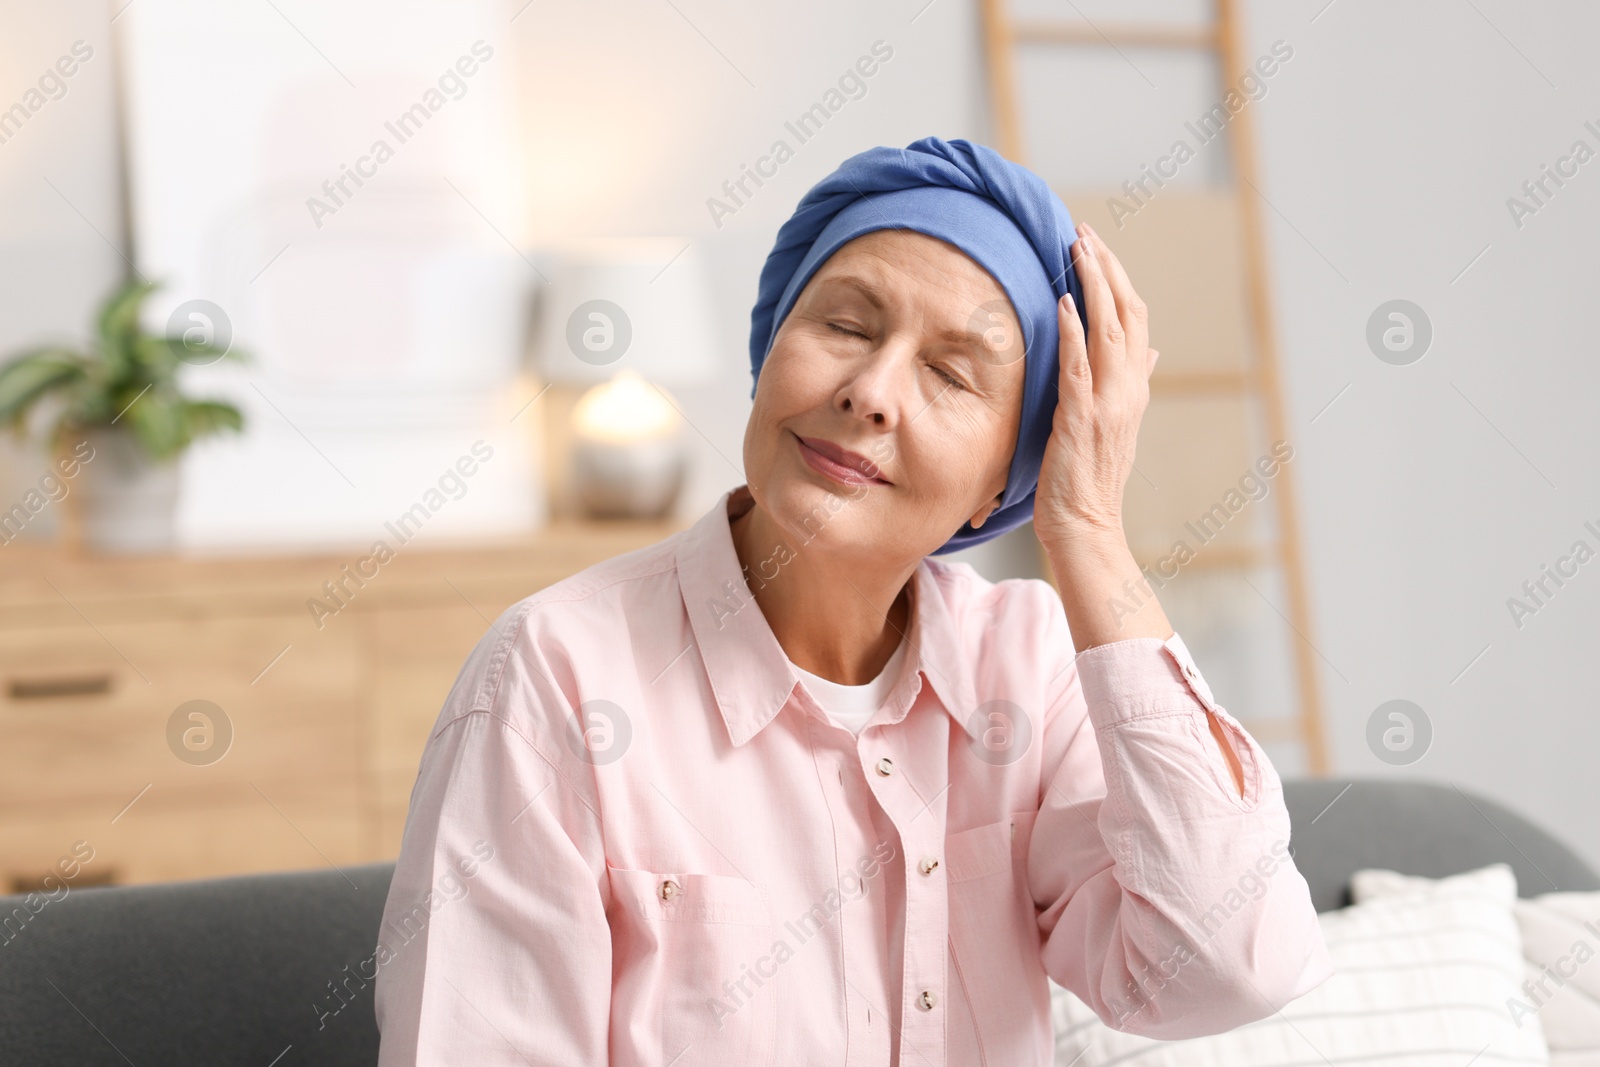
[(331, 330)]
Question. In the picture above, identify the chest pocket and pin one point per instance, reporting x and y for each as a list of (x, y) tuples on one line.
[(694, 960), (994, 945)]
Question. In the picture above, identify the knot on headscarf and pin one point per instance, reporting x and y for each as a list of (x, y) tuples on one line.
[(1002, 215)]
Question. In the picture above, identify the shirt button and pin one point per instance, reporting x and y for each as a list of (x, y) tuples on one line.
[(927, 865), (927, 1000), (886, 766), (669, 889)]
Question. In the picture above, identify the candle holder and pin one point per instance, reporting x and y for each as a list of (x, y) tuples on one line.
[(628, 454)]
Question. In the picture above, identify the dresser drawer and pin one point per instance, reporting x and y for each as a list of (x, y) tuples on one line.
[(90, 715), (328, 725), (171, 834), (55, 670)]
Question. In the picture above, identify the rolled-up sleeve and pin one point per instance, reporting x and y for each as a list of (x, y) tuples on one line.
[(498, 948), (1167, 902)]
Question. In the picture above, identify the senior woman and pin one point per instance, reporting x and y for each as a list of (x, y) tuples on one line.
[(786, 788)]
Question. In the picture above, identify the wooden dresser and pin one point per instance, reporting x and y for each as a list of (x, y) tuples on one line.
[(120, 679)]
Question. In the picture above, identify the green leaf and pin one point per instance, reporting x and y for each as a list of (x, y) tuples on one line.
[(119, 325), (30, 376), (206, 417), (173, 350), (234, 352), (157, 420), (156, 357)]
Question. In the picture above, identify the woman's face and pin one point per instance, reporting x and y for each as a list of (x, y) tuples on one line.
[(902, 350)]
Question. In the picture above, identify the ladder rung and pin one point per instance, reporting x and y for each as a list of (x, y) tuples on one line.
[(1132, 34), (1212, 557), (1180, 383)]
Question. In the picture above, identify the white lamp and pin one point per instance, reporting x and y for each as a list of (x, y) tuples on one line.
[(641, 303)]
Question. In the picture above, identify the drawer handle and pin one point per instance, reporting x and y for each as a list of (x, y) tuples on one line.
[(62, 685), (42, 883)]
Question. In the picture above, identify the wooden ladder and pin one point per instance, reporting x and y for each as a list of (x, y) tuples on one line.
[(1253, 380)]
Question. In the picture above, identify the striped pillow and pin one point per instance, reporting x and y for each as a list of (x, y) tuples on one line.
[(1561, 963), (1423, 980)]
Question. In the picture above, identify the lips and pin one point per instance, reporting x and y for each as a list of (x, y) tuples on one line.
[(841, 464)]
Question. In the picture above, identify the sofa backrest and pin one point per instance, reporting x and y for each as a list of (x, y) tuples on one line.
[(1339, 826), (264, 969)]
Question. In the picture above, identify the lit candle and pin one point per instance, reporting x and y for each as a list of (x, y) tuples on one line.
[(628, 456)]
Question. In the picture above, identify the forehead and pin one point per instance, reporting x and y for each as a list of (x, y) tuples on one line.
[(906, 262), (952, 294)]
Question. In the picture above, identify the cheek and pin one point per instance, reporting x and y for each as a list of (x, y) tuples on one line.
[(793, 380), (966, 431), (792, 383), (968, 442), (784, 390)]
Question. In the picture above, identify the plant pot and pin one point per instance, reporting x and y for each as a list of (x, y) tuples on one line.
[(127, 501)]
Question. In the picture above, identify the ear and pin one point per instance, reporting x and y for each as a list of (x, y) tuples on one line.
[(981, 516)]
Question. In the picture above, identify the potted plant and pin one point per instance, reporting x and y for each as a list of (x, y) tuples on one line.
[(116, 408)]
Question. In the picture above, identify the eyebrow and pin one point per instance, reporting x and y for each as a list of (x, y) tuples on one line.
[(878, 299), (874, 295)]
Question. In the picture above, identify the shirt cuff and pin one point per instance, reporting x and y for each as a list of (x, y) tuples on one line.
[(1141, 677), (1146, 678)]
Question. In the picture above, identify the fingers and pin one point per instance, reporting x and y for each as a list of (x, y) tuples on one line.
[(1106, 334), (1076, 380), (1131, 310)]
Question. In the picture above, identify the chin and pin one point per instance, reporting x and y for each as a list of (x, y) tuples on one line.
[(859, 526), (810, 511)]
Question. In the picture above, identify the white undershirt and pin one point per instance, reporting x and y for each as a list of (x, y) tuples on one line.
[(852, 705)]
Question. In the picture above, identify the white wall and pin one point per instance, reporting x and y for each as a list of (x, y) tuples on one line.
[(1433, 491)]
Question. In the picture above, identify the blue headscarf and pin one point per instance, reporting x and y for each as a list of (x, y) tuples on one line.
[(999, 213)]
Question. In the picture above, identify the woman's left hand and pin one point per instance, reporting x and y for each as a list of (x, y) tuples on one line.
[(1104, 390)]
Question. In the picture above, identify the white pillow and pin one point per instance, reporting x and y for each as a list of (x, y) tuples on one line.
[(1561, 961), (1422, 980)]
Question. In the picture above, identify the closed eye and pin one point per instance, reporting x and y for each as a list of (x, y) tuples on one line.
[(952, 379)]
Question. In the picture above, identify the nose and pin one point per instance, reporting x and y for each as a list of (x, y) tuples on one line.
[(878, 384)]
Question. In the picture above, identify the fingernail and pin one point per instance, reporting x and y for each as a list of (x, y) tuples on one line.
[(1090, 230), (1068, 303)]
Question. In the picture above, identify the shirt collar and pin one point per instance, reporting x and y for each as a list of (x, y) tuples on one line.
[(751, 676)]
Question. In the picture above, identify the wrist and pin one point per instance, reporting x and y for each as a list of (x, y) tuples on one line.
[(1103, 591), (1086, 536)]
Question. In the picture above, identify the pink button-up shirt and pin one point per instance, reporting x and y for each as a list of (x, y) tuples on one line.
[(635, 840)]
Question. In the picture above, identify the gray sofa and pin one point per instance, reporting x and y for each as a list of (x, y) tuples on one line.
[(243, 971)]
